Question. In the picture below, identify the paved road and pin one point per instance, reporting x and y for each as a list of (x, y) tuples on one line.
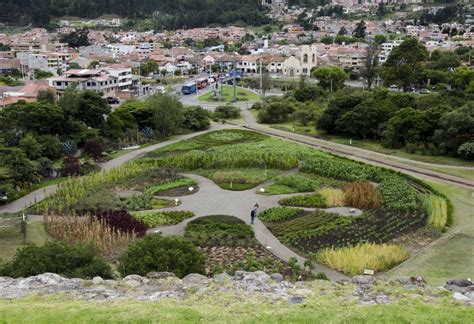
[(41, 194), (212, 200)]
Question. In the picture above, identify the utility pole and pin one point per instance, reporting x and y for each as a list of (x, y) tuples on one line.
[(261, 76), (234, 79)]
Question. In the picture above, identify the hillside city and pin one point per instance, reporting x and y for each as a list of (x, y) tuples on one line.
[(247, 161)]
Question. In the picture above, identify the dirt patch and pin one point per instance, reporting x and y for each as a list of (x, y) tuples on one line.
[(228, 256), (178, 192), (417, 240)]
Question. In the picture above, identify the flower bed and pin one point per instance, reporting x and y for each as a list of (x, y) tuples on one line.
[(156, 218)]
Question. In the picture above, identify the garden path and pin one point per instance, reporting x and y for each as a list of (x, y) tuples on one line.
[(213, 200), (42, 193)]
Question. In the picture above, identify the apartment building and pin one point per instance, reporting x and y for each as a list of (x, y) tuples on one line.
[(95, 80)]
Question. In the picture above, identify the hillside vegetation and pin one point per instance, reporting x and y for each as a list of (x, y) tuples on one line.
[(172, 13)]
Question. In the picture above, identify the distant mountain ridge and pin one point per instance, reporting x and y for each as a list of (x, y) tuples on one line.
[(166, 14)]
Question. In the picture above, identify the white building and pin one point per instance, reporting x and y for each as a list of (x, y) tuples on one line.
[(123, 75), (95, 80), (120, 49), (44, 61)]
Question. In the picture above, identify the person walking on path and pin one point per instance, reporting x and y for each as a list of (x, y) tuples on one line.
[(253, 214)]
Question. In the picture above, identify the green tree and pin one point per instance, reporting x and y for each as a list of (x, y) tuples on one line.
[(342, 31), (77, 38), (455, 128), (407, 125), (46, 96), (21, 169), (370, 69), (330, 77), (42, 74), (381, 9), (359, 30), (86, 106), (30, 146), (404, 65), (379, 39), (462, 77), (196, 118), (94, 64), (166, 115)]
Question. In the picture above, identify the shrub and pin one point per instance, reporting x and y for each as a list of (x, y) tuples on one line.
[(332, 197), (121, 220), (276, 214), (71, 166), (437, 210), (219, 230), (157, 253), (196, 118), (73, 261), (155, 218), (362, 195), (94, 149), (354, 259), (227, 112), (312, 200)]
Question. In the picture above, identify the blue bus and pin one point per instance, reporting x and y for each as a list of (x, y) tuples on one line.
[(189, 88)]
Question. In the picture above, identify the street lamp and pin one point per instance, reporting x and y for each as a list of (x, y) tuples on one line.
[(176, 201), (191, 189), (262, 190)]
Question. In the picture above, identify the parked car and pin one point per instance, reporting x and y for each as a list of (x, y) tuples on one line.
[(160, 89), (113, 100)]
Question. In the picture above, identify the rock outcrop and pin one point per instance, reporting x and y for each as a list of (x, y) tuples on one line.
[(365, 290)]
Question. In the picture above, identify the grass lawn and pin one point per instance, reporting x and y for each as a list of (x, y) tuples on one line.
[(453, 257), (11, 238), (242, 94), (226, 308)]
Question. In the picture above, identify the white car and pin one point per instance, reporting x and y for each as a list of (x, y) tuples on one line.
[(160, 89)]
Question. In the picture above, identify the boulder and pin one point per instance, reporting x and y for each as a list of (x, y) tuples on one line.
[(455, 288), (195, 279), (460, 297), (135, 280), (160, 275), (221, 277), (295, 300), (97, 281), (459, 282), (277, 277), (418, 280), (363, 280), (404, 280), (45, 279)]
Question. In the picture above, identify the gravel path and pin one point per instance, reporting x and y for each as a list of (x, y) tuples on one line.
[(42, 193), (212, 200)]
